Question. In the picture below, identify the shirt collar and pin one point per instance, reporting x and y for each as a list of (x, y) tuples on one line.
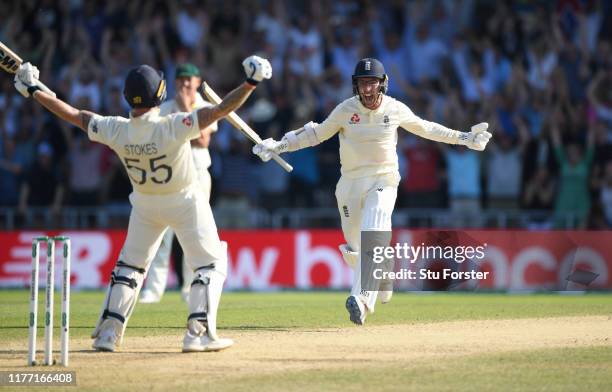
[(151, 115)]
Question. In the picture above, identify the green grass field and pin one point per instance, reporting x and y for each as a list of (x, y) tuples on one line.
[(303, 341)]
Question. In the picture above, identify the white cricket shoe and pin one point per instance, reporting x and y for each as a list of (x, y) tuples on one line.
[(356, 309), (148, 297), (193, 343), (106, 339)]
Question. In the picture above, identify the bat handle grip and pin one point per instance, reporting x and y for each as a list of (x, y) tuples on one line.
[(45, 88), (282, 163)]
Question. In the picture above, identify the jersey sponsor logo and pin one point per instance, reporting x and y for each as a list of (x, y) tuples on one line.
[(354, 119), (188, 121), (346, 211)]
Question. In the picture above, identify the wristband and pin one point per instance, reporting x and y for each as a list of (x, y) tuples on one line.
[(252, 82), (33, 89)]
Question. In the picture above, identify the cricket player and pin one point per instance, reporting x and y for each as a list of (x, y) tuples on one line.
[(156, 153), (187, 79), (367, 128)]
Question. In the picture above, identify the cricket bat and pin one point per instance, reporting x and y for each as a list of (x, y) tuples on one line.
[(10, 62), (241, 125)]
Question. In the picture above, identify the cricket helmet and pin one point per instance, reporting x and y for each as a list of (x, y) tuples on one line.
[(144, 87), (370, 68)]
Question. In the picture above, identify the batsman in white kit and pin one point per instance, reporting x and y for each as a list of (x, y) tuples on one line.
[(166, 193), (367, 128), (187, 80)]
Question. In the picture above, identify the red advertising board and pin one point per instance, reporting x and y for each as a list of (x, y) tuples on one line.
[(307, 259)]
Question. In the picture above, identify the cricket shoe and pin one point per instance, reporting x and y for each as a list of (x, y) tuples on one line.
[(193, 343), (106, 340), (148, 297), (356, 309), (386, 291)]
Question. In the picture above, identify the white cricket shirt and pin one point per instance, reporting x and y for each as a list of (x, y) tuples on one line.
[(368, 138), (155, 150)]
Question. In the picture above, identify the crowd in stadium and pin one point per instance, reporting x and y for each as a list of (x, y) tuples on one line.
[(540, 72)]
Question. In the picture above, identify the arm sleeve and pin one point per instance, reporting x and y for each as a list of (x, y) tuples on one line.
[(427, 129), (184, 126), (103, 129), (311, 134), (330, 126)]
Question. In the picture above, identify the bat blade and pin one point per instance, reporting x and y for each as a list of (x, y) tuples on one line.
[(9, 61), (241, 125)]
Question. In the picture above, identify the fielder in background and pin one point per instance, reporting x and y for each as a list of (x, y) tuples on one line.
[(187, 81), (166, 193), (367, 128)]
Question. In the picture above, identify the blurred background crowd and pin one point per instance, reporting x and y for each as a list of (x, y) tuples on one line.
[(540, 72)]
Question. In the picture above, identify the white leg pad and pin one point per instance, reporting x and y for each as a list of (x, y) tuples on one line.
[(204, 298), (121, 297)]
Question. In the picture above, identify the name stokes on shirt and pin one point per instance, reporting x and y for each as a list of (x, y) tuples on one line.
[(140, 149)]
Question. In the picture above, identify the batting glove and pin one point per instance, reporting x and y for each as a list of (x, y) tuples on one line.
[(256, 69), (26, 79), (477, 138), (266, 148)]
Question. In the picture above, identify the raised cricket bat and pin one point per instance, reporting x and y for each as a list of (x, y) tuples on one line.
[(10, 62), (241, 125)]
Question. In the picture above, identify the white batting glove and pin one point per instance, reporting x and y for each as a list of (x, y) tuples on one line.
[(26, 78), (257, 69), (477, 138), (28, 73), (26, 81), (266, 148)]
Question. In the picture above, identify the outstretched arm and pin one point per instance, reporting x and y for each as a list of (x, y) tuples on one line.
[(232, 101), (27, 83), (256, 70), (76, 117)]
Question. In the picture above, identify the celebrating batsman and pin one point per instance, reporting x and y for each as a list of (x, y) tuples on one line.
[(156, 153), (187, 80), (367, 128)]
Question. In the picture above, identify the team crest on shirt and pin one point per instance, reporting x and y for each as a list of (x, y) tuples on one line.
[(354, 119), (188, 121), (386, 121)]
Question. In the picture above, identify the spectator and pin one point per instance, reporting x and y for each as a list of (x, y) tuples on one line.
[(42, 187), (512, 63), (573, 201), (12, 166), (605, 197), (421, 185), (463, 173), (85, 171), (539, 190)]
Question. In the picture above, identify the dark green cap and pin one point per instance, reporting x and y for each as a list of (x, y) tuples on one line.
[(186, 70)]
